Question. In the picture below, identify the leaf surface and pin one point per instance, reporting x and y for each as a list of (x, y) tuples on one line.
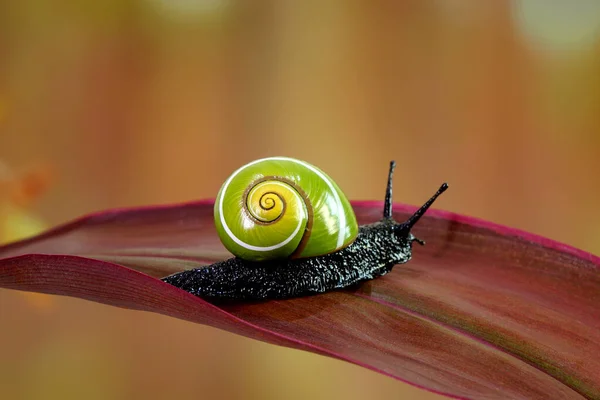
[(480, 312)]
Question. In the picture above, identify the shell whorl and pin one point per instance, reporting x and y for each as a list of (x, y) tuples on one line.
[(266, 201), (281, 207)]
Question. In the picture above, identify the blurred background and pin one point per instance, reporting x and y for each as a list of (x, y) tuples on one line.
[(134, 102)]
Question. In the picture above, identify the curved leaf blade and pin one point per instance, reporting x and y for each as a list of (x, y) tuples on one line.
[(480, 312)]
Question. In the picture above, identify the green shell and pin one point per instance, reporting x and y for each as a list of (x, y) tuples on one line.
[(281, 207)]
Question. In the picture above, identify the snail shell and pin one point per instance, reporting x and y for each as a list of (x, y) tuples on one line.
[(280, 207)]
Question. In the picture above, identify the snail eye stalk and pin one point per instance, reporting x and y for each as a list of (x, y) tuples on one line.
[(387, 207), (404, 228), (419, 213)]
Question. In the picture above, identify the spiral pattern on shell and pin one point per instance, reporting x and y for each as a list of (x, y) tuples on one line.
[(264, 201), (282, 207)]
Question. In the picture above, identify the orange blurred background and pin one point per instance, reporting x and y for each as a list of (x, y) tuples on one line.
[(133, 102)]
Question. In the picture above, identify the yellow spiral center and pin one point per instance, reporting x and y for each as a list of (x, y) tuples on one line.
[(267, 201)]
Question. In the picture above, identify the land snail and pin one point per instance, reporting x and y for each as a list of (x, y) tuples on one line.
[(293, 232)]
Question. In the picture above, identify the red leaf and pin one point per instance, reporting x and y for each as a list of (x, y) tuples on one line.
[(481, 311)]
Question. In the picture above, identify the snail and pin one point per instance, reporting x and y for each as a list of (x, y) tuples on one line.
[(293, 232)]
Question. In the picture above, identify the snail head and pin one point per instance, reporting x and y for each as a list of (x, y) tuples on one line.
[(404, 228)]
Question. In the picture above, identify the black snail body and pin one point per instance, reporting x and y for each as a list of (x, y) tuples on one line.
[(376, 249)]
